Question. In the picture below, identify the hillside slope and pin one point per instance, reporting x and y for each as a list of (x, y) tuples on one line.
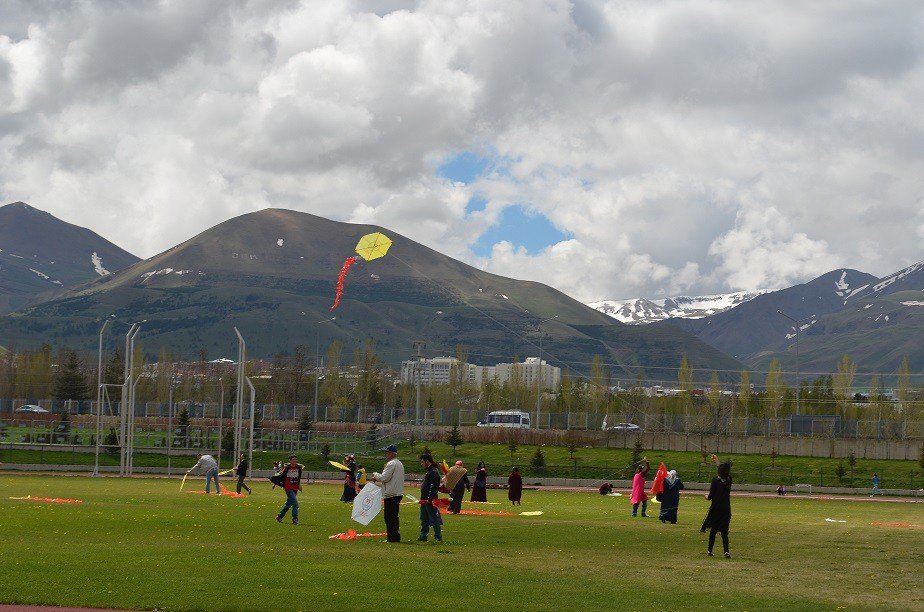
[(40, 255), (272, 274)]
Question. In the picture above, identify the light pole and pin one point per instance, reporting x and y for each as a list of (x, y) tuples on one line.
[(317, 361), (99, 394), (221, 406), (539, 372), (796, 327)]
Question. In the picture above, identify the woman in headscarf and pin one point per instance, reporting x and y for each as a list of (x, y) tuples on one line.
[(349, 480), (515, 487), (719, 515), (457, 483), (480, 488), (638, 488), (670, 498)]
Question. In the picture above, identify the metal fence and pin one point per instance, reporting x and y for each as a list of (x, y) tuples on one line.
[(277, 415)]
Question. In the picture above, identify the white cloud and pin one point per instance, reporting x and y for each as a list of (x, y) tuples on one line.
[(684, 147)]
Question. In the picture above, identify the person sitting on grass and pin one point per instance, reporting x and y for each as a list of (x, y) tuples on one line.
[(292, 483), (781, 490), (606, 488), (638, 487), (429, 491), (719, 515), (210, 466)]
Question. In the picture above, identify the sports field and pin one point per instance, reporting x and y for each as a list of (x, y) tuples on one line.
[(143, 544)]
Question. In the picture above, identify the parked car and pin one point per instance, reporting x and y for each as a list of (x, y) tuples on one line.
[(31, 408), (624, 427)]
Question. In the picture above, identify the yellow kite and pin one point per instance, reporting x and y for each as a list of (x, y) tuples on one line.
[(373, 246)]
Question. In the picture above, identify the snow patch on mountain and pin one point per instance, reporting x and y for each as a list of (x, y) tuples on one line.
[(97, 262), (640, 311), (912, 303), (894, 278), (39, 274)]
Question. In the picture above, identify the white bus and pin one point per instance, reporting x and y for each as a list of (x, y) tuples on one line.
[(506, 418)]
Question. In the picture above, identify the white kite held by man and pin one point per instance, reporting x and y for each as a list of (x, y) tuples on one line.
[(367, 504)]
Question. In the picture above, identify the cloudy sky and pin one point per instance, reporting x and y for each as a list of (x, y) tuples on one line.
[(610, 149)]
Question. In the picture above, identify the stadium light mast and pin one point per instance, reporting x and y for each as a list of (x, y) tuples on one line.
[(796, 326), (539, 372), (239, 400), (99, 395), (317, 360)]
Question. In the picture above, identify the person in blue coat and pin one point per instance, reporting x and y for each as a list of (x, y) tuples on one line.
[(670, 498)]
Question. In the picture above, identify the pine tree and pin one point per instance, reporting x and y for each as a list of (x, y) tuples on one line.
[(70, 383), (637, 450), (538, 461), (372, 436), (454, 438), (305, 424)]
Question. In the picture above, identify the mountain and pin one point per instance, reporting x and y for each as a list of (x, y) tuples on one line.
[(40, 255), (272, 274), (640, 311), (878, 326), (751, 327)]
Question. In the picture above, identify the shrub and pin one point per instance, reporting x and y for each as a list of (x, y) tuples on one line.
[(773, 456), (840, 472), (637, 450), (512, 445), (372, 436), (538, 461), (325, 452), (852, 461)]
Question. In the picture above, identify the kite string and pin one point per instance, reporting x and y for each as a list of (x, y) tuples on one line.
[(483, 313)]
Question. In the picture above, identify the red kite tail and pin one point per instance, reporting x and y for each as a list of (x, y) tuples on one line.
[(347, 263)]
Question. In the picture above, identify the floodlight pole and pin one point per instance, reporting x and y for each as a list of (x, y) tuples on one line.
[(221, 405), (99, 396), (133, 386), (239, 400), (796, 326), (317, 360), (126, 393), (539, 374), (253, 408)]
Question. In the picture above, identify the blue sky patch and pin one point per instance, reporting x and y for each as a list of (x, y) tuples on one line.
[(463, 168), (522, 228)]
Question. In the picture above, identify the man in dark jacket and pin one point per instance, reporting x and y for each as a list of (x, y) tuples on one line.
[(241, 471), (429, 489)]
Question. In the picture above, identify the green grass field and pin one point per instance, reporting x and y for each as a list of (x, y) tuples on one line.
[(142, 544)]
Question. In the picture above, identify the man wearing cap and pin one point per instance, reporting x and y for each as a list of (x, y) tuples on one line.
[(392, 481)]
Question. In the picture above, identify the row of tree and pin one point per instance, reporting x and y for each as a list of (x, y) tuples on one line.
[(365, 381)]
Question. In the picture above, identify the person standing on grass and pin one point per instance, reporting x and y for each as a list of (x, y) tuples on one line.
[(241, 471), (429, 491), (876, 490), (480, 488), (292, 483), (349, 480), (719, 515), (360, 477), (392, 481), (457, 483), (210, 466), (670, 498), (638, 488), (515, 487)]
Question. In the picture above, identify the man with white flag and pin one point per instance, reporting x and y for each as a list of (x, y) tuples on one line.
[(392, 481)]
